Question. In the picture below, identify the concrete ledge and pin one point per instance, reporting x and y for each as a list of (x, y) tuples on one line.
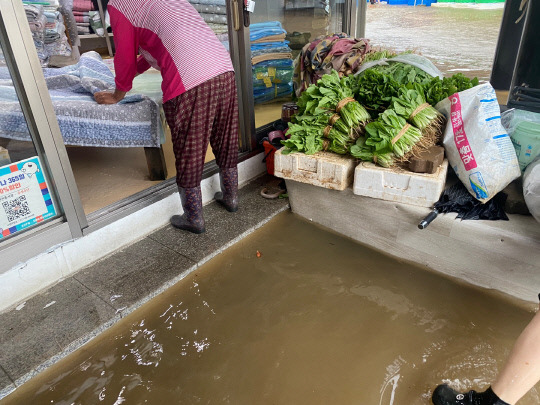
[(499, 255)]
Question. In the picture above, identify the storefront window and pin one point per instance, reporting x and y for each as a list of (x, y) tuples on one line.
[(26, 197), (279, 31)]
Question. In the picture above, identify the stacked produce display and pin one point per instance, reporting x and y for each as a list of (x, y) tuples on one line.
[(384, 114)]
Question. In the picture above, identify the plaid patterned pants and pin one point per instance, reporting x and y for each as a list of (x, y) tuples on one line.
[(206, 113)]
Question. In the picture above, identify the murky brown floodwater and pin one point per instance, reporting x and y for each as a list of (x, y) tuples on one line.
[(454, 39), (317, 319)]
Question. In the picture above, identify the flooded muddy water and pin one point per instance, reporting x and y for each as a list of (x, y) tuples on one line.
[(316, 319), (455, 39)]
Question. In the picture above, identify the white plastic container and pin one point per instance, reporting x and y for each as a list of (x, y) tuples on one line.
[(323, 169), (393, 184)]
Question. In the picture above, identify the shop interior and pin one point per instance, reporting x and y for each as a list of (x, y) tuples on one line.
[(105, 175)]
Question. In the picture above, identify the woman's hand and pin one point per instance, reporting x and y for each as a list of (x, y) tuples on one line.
[(108, 97)]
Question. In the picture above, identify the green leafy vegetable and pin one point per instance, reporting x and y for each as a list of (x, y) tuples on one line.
[(404, 73), (375, 90), (411, 105), (438, 89), (384, 157), (377, 55)]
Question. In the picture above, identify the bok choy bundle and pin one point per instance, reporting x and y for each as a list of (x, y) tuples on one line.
[(328, 115), (388, 139), (384, 156), (411, 105), (333, 94)]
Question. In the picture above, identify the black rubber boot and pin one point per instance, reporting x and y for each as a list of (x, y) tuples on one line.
[(228, 197), (444, 395), (192, 220)]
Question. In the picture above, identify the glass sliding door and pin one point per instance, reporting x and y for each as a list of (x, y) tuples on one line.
[(27, 198), (278, 32), (39, 203), (112, 174)]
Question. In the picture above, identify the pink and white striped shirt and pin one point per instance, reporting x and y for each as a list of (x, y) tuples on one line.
[(169, 35)]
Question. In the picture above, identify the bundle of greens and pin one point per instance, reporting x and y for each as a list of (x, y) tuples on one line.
[(411, 105), (374, 90), (384, 156), (305, 137), (311, 134), (437, 89), (392, 133), (332, 94)]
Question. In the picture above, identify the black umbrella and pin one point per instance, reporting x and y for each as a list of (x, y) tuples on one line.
[(457, 198)]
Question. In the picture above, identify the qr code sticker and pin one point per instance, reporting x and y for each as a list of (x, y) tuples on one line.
[(16, 209)]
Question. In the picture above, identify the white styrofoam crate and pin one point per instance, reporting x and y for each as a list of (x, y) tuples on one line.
[(323, 169), (394, 184)]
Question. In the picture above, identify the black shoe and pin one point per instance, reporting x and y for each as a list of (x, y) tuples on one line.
[(444, 395)]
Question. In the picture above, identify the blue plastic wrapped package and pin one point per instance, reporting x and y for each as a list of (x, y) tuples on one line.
[(266, 74), (277, 91)]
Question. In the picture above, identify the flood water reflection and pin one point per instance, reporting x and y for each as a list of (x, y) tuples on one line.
[(316, 319), (454, 39)]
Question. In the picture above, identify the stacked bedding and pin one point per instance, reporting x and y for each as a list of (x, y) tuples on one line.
[(272, 63), (56, 41), (37, 22), (214, 13)]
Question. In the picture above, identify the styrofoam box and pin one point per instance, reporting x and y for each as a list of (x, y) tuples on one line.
[(394, 184), (323, 169)]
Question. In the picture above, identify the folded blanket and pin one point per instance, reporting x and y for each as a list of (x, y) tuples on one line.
[(218, 28), (83, 30), (210, 9), (52, 16), (265, 29), (82, 18), (270, 56), (214, 18), (270, 45), (82, 5), (134, 122), (33, 11), (38, 24), (260, 52), (81, 13), (210, 2), (270, 38)]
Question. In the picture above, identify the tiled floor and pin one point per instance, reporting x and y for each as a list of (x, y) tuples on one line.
[(62, 318)]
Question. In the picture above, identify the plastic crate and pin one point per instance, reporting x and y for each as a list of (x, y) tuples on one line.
[(422, 189), (323, 169)]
